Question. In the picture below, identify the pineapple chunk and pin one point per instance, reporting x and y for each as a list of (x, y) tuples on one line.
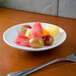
[(53, 30)]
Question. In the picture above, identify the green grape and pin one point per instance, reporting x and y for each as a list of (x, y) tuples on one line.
[(36, 42)]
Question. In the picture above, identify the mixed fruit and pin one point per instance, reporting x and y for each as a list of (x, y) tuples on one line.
[(36, 36)]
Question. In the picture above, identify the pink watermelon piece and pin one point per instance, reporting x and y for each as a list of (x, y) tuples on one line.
[(22, 40), (36, 30)]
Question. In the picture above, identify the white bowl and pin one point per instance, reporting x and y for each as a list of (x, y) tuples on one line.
[(10, 35)]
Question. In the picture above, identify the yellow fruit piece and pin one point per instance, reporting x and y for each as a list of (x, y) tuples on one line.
[(45, 32), (53, 30), (27, 33)]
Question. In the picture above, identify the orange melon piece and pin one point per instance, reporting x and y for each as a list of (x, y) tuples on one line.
[(45, 32)]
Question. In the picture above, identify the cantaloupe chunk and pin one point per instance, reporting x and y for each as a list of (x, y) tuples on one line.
[(45, 32)]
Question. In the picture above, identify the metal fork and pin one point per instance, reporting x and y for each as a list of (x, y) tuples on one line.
[(71, 58)]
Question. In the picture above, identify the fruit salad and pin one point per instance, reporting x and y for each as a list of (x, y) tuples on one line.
[(36, 36)]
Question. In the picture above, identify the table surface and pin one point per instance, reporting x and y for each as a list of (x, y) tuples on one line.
[(12, 59)]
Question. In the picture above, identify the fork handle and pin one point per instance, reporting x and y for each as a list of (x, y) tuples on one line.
[(26, 72)]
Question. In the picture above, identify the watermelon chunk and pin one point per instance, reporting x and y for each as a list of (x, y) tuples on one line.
[(22, 40), (36, 30)]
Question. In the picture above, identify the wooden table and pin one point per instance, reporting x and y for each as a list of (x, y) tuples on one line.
[(12, 59)]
